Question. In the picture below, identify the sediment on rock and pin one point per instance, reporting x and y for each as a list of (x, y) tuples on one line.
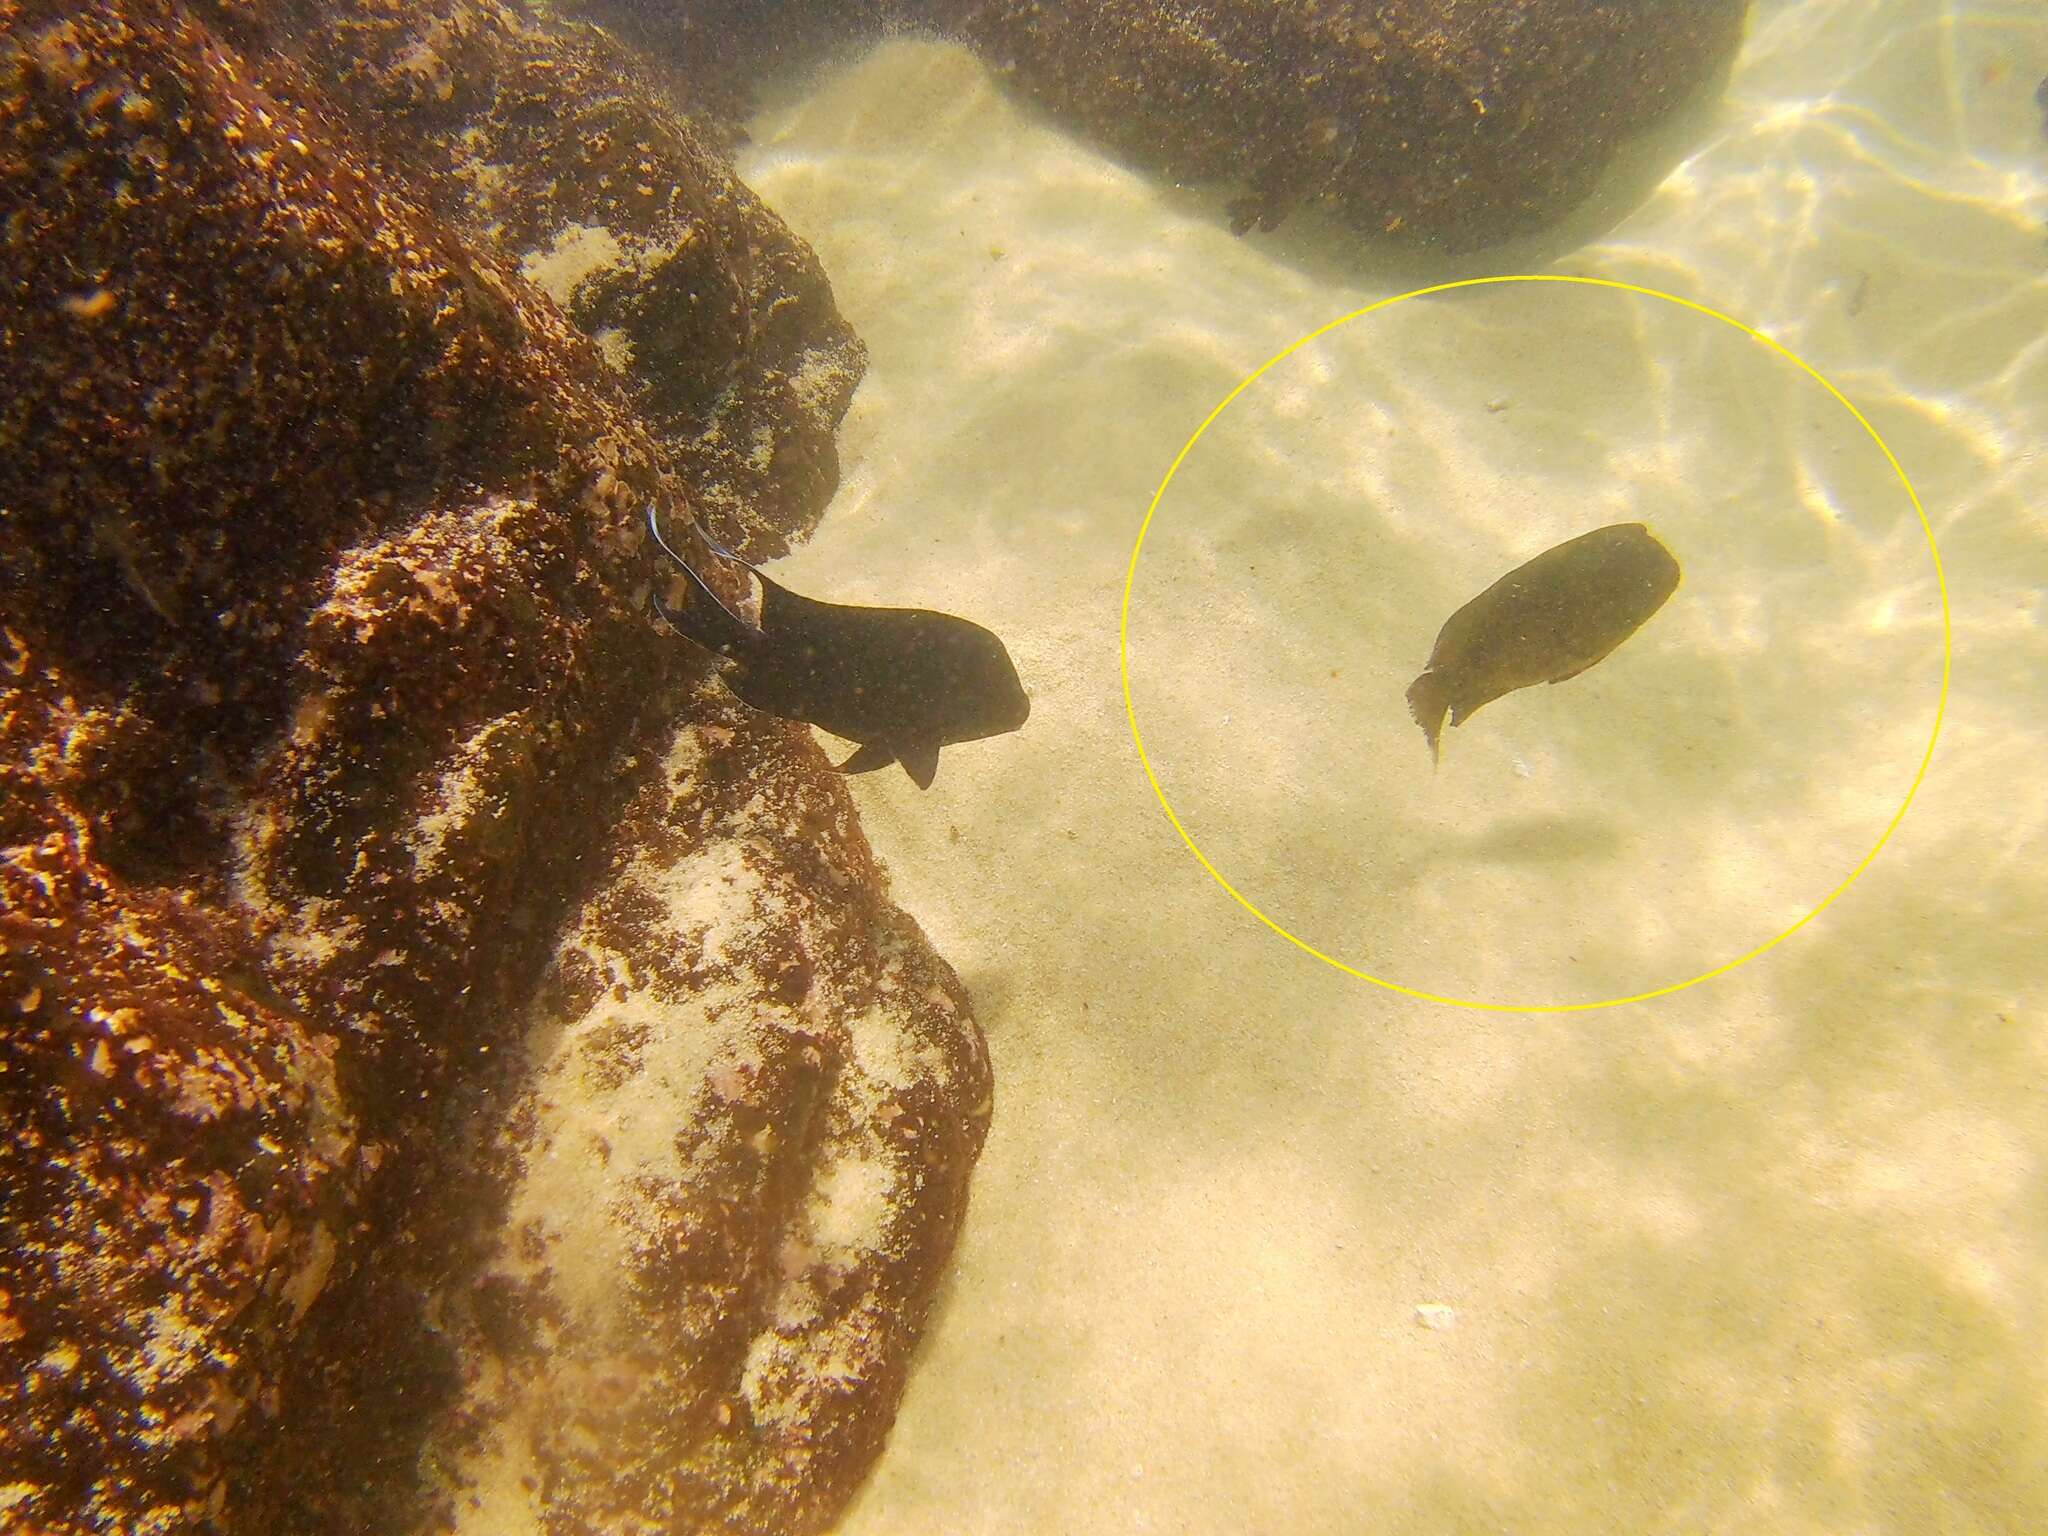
[(551, 148), (323, 679), (179, 1171), (736, 1170)]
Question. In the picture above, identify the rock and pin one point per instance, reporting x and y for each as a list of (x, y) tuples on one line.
[(1431, 122), (713, 58), (1457, 125), (179, 1168), (548, 145), (323, 688), (736, 1171)]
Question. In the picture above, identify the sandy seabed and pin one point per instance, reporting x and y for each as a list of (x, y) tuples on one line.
[(1259, 1246)]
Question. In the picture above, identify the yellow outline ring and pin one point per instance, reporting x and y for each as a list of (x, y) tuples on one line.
[(1137, 737)]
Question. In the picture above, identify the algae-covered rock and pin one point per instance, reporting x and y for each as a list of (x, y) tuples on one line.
[(179, 1172), (1435, 121), (1441, 123), (546, 143), (323, 685), (739, 1163)]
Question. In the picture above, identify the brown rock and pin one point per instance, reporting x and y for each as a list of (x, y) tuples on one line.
[(179, 1172), (323, 683), (1434, 121), (736, 1172), (1443, 123), (551, 148)]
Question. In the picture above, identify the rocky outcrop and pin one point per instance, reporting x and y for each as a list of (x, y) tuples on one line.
[(180, 1172), (741, 1158), (547, 145), (324, 685), (1453, 124), (1440, 122)]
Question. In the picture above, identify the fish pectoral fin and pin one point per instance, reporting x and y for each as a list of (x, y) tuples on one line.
[(921, 762), (868, 759)]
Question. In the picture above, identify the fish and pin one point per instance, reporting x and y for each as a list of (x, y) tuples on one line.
[(1544, 622), (899, 682)]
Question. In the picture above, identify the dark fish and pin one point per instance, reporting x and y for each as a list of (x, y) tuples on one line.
[(902, 682), (1543, 622)]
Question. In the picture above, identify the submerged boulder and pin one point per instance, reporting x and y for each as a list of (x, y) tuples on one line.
[(739, 1162), (324, 693), (1441, 122), (547, 145), (1454, 124)]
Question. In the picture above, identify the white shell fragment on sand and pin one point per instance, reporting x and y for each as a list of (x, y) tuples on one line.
[(1434, 1314)]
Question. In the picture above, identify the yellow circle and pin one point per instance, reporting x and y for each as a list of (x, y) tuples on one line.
[(1138, 549)]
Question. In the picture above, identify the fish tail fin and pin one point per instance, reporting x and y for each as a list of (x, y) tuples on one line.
[(1428, 702), (706, 621), (719, 549)]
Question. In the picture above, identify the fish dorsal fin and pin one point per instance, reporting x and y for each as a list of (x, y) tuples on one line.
[(921, 762)]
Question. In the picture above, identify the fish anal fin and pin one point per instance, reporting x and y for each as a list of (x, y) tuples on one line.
[(870, 757), (921, 762)]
